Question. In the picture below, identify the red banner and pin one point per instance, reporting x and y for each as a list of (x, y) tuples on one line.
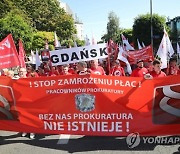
[(91, 105), (22, 55), (8, 53), (144, 54)]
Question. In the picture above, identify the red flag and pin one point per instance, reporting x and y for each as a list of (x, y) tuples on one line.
[(8, 53), (22, 55)]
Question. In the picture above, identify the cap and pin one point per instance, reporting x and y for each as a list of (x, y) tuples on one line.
[(140, 60)]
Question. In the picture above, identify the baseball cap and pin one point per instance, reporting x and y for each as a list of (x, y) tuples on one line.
[(140, 60)]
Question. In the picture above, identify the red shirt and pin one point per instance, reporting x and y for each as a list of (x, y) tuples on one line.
[(62, 73), (139, 72), (99, 71), (32, 74), (71, 70), (117, 71), (172, 70), (155, 75)]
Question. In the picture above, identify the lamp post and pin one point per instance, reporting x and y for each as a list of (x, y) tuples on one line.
[(151, 25)]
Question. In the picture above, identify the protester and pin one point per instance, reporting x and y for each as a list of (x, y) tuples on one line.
[(65, 70), (117, 70), (172, 67), (149, 65), (54, 71), (156, 70), (82, 68), (140, 71), (95, 68), (31, 73), (40, 71), (22, 73)]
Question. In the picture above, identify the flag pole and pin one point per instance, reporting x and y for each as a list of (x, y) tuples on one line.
[(152, 43)]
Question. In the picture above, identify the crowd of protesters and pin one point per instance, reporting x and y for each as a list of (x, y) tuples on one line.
[(148, 69)]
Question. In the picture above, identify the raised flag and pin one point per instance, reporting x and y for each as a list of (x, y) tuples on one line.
[(178, 49), (38, 62), (93, 40), (123, 57), (87, 42), (139, 46), (75, 44), (143, 45), (126, 44), (8, 53), (33, 57), (56, 42), (22, 55), (165, 50)]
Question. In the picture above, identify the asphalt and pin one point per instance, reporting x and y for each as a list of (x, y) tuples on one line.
[(14, 143)]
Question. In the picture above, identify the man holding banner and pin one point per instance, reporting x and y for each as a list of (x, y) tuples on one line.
[(140, 71)]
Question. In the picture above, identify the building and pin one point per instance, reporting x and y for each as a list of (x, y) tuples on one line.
[(174, 25), (66, 8), (78, 24)]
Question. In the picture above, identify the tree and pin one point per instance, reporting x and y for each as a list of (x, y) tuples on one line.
[(112, 27), (19, 26), (142, 29), (40, 39), (47, 15), (65, 27)]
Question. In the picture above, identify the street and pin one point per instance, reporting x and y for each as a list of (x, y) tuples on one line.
[(14, 143)]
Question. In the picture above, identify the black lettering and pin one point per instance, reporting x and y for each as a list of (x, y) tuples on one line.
[(93, 53), (103, 51), (64, 57), (84, 53), (54, 59), (74, 56)]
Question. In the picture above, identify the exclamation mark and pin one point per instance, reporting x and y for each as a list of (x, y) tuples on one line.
[(30, 84), (139, 83), (127, 126)]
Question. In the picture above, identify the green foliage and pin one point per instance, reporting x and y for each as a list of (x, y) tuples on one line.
[(142, 29), (80, 43), (48, 16), (19, 27), (128, 33), (112, 27), (5, 7), (65, 27), (40, 39), (43, 15)]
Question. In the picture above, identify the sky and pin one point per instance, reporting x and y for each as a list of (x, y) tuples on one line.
[(94, 13)]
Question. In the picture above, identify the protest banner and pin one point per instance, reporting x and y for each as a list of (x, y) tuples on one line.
[(145, 54), (91, 105), (73, 55), (8, 53)]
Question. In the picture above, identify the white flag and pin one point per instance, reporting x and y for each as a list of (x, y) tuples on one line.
[(126, 44), (33, 57), (56, 42), (143, 45), (165, 50), (93, 40), (122, 55), (178, 49), (87, 42), (75, 44), (38, 62), (139, 46)]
